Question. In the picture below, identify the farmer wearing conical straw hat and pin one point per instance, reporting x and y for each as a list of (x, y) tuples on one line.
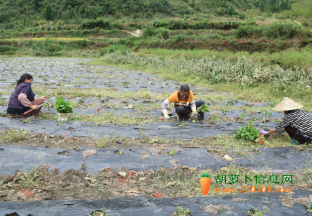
[(296, 122)]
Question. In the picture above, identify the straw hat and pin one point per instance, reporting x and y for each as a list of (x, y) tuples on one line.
[(287, 104)]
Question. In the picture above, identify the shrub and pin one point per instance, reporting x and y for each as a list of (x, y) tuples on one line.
[(283, 29), (99, 22), (164, 32), (180, 38), (148, 31), (120, 49), (159, 6), (63, 106), (5, 50), (178, 24), (117, 25), (242, 16), (245, 31)]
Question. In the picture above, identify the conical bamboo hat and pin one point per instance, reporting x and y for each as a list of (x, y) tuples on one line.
[(287, 104)]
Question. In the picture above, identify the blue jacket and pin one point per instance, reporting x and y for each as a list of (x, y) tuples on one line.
[(21, 88)]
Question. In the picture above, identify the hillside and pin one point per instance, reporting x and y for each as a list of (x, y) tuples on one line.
[(24, 13)]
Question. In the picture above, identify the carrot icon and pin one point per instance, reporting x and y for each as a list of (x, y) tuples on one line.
[(205, 182)]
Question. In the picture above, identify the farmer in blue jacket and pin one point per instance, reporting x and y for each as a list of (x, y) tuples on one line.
[(23, 99)]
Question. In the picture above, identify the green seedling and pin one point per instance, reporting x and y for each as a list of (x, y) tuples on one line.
[(63, 106), (147, 95), (215, 116), (103, 212), (224, 110), (243, 115), (183, 212), (203, 108), (99, 96), (247, 133), (180, 124), (229, 103), (262, 138), (172, 152), (308, 209)]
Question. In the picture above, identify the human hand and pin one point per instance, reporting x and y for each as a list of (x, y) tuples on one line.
[(43, 97), (264, 132), (194, 111), (34, 107)]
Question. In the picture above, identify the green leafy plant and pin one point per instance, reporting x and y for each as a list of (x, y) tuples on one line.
[(203, 108), (257, 212), (309, 209), (63, 106), (243, 115), (247, 133), (183, 212), (230, 103), (172, 152), (102, 212)]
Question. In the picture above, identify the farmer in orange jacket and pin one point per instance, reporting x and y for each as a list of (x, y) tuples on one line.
[(184, 103)]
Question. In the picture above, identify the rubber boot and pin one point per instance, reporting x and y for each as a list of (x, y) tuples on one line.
[(294, 141)]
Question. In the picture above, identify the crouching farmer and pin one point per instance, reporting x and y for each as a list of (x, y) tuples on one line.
[(296, 122), (23, 99), (184, 103)]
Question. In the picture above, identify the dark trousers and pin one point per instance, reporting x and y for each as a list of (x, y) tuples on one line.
[(184, 111), (294, 133), (21, 113)]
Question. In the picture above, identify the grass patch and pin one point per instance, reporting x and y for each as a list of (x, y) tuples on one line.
[(105, 118), (44, 39), (13, 135), (252, 81), (286, 59), (173, 183), (109, 118)]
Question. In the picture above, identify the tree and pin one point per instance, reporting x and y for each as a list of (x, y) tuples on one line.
[(48, 13), (36, 4)]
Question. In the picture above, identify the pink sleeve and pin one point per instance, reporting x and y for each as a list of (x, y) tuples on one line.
[(24, 100), (193, 104), (165, 104)]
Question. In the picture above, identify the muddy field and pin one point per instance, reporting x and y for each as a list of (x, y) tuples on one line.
[(117, 151)]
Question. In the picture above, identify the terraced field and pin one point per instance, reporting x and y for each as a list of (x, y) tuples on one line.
[(76, 167)]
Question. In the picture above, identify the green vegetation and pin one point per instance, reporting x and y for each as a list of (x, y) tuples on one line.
[(247, 133), (63, 106), (183, 212), (256, 212), (102, 212), (249, 74), (19, 13), (203, 108), (7, 50), (13, 135), (285, 59)]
